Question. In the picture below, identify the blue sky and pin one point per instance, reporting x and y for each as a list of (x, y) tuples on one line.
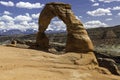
[(23, 14)]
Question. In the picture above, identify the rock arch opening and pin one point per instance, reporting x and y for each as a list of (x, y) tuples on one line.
[(77, 37), (55, 25), (57, 34)]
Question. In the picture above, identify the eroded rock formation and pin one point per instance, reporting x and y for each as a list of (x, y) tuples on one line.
[(109, 64), (77, 38)]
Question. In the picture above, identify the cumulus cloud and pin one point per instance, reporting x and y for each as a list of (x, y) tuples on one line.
[(92, 0), (24, 22), (29, 5), (24, 25), (99, 12), (2, 25), (56, 25), (95, 4), (95, 24), (7, 25), (9, 3), (6, 13), (108, 19), (35, 16), (21, 25), (109, 1), (116, 8), (78, 17), (6, 18), (21, 22), (25, 17), (118, 14)]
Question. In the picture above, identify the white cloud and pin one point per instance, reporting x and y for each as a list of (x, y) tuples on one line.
[(92, 0), (6, 13), (78, 17), (35, 16), (27, 14), (56, 26), (9, 3), (109, 14), (100, 12), (28, 25), (33, 25), (94, 24), (2, 25), (108, 19), (25, 23), (6, 18), (118, 14), (109, 1), (116, 8), (23, 18), (29, 5), (7, 25), (21, 25), (5, 21), (21, 22), (95, 4)]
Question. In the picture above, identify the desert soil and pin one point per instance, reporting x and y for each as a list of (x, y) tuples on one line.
[(26, 64)]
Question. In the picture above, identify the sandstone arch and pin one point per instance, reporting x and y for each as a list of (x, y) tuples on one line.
[(77, 38)]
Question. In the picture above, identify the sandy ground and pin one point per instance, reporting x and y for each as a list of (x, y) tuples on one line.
[(26, 64)]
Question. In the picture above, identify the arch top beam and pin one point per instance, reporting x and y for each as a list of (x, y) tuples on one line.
[(77, 38)]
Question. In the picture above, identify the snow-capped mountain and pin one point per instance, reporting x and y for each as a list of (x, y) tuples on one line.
[(17, 31)]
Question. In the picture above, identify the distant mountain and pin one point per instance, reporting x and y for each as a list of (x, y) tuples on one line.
[(101, 32), (17, 31), (52, 32), (92, 32), (28, 31), (99, 36)]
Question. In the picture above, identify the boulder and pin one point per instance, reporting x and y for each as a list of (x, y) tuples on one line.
[(14, 42)]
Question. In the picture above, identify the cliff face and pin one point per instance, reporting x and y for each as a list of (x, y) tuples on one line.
[(97, 35), (109, 35), (106, 36)]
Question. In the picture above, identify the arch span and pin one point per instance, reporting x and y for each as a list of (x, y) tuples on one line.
[(77, 38)]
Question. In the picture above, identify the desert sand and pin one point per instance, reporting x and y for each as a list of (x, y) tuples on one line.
[(28, 64)]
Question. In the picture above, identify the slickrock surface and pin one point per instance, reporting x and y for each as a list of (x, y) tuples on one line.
[(26, 64)]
